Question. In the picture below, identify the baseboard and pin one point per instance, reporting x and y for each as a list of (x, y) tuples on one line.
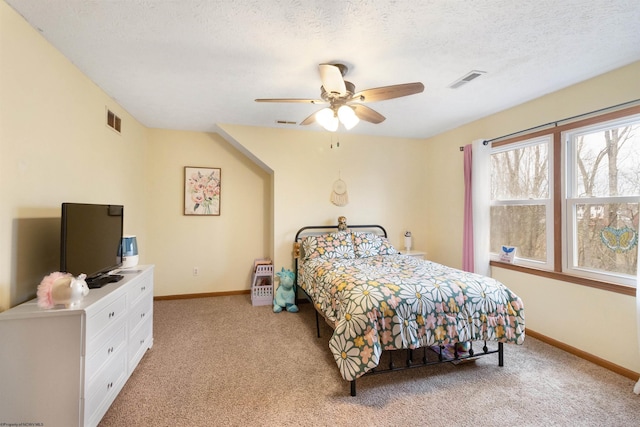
[(584, 355), (202, 295)]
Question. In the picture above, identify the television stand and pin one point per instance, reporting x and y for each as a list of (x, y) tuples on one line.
[(100, 281)]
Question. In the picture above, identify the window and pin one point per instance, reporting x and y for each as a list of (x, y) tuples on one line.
[(521, 204), (586, 225), (602, 194)]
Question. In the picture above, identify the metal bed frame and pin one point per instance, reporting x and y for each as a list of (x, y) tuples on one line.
[(410, 360)]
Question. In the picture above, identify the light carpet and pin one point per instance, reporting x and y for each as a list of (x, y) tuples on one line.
[(222, 362)]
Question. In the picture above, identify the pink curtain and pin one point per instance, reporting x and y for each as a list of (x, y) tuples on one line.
[(467, 232)]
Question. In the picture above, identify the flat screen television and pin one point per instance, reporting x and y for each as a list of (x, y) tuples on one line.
[(91, 235)]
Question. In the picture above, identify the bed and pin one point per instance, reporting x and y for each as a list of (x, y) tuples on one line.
[(377, 299)]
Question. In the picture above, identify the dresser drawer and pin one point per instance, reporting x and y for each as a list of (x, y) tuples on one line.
[(139, 313), (106, 316), (103, 389), (139, 342), (142, 289), (96, 357)]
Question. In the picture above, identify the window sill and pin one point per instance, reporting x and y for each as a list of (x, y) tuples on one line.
[(606, 286)]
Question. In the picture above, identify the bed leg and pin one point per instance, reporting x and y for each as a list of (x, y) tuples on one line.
[(353, 387), (500, 354), (317, 325)]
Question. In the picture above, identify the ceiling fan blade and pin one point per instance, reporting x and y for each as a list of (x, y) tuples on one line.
[(388, 92), (299, 100), (309, 120), (332, 81), (367, 114)]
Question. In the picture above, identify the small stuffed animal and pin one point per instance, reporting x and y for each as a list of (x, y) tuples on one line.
[(342, 223), (62, 289), (285, 294)]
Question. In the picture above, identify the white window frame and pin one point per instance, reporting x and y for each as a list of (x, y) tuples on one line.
[(548, 202), (569, 202)]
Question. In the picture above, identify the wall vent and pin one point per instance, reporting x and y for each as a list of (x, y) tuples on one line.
[(113, 121), (471, 75), (285, 122)]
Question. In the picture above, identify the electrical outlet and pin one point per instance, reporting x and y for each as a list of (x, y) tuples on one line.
[(196, 271)]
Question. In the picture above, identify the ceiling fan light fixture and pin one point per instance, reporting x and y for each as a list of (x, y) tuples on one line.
[(327, 119), (338, 93), (347, 117)]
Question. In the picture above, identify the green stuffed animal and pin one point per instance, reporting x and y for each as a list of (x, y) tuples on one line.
[(285, 297)]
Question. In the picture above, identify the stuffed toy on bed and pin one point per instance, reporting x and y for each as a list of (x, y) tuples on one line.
[(285, 294)]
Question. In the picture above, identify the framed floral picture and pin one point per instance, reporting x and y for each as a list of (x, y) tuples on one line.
[(202, 190)]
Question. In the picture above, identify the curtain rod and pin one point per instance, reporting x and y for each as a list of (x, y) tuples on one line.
[(555, 123), (485, 142)]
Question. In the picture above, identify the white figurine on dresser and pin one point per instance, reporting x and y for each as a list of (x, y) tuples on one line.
[(64, 367)]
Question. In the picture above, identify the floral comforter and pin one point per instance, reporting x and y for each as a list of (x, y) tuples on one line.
[(391, 302)]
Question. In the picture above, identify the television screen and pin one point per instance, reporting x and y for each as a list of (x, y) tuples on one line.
[(90, 240)]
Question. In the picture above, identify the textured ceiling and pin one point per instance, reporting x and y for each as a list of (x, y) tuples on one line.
[(193, 64)]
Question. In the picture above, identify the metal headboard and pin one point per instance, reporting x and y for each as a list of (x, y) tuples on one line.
[(303, 231)]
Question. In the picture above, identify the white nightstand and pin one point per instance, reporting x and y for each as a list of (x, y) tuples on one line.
[(416, 254)]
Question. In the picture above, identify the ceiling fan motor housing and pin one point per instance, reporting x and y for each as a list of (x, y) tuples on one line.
[(338, 98)]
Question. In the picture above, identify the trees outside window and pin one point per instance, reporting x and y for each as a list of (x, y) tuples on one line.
[(603, 189), (591, 218), (521, 208)]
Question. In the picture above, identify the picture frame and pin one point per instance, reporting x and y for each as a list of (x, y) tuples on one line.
[(202, 187)]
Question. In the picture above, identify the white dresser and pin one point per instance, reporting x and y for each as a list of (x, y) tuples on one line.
[(64, 367)]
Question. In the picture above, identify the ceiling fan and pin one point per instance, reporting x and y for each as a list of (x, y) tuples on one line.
[(345, 104)]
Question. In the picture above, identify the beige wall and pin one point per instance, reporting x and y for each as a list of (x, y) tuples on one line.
[(221, 247), (595, 321), (384, 176), (54, 148), (598, 322), (143, 169)]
